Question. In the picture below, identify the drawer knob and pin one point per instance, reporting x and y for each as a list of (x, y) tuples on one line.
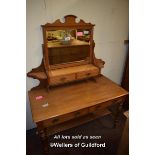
[(117, 101), (77, 113), (63, 78), (55, 120), (98, 107), (88, 74)]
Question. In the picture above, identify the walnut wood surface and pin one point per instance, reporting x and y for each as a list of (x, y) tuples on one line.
[(74, 69), (70, 21), (70, 64), (66, 99), (81, 71), (38, 75)]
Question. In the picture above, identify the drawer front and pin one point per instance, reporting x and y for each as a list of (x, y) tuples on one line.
[(87, 74), (66, 117), (118, 100), (104, 105), (62, 79), (100, 106)]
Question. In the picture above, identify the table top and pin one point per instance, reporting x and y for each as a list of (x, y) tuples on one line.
[(72, 97)]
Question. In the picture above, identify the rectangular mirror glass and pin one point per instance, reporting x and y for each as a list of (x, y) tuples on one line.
[(69, 45)]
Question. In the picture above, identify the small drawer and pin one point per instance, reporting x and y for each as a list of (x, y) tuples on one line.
[(62, 79), (66, 117), (87, 74)]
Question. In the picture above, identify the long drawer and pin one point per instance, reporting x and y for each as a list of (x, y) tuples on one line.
[(66, 117), (105, 104)]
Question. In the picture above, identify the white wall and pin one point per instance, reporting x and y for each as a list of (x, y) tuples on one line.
[(110, 18)]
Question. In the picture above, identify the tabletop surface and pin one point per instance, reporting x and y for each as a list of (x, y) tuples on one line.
[(72, 97)]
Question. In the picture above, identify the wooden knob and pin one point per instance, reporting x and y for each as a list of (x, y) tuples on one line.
[(55, 120), (77, 113), (63, 78), (88, 74), (97, 107)]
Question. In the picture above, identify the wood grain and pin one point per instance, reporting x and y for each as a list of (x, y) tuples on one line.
[(66, 99), (74, 69), (60, 54)]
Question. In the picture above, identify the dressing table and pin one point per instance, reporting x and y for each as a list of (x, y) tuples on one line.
[(72, 90)]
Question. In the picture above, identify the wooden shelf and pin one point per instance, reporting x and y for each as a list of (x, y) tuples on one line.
[(63, 71), (37, 75)]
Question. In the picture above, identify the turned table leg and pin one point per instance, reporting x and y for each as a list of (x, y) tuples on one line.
[(44, 139), (117, 113)]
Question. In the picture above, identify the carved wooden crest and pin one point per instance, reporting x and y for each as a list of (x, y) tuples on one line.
[(70, 20)]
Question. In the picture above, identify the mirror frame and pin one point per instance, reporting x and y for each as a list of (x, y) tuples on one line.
[(70, 23)]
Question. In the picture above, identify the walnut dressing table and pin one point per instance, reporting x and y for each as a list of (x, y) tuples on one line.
[(73, 104), (72, 90)]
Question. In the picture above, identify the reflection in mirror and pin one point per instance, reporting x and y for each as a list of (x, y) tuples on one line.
[(59, 35), (66, 55), (83, 35), (71, 39)]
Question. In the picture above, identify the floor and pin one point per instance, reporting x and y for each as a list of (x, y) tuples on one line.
[(100, 127)]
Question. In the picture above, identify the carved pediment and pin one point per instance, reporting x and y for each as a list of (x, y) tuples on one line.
[(70, 20)]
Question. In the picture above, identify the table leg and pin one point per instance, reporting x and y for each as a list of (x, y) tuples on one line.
[(117, 113), (44, 139)]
